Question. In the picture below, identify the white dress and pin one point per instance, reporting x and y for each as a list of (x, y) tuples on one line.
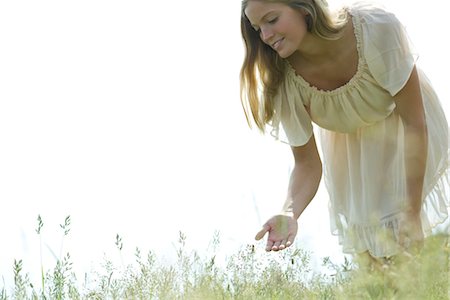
[(362, 137)]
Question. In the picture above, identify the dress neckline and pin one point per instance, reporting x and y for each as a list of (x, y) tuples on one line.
[(356, 31)]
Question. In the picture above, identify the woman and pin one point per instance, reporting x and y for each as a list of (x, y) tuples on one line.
[(384, 135)]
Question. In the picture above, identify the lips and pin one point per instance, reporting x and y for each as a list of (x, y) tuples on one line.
[(277, 43)]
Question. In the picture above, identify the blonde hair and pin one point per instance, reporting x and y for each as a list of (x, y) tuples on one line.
[(263, 69)]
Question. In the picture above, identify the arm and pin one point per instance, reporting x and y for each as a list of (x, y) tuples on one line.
[(304, 181), (409, 106), (305, 178)]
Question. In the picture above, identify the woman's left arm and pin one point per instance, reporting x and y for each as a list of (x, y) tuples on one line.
[(409, 106)]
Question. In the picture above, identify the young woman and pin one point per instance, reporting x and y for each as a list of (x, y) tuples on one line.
[(384, 135)]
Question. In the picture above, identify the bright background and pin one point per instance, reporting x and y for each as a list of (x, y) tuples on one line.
[(126, 116)]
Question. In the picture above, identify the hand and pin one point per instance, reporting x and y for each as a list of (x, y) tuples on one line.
[(282, 230), (411, 236)]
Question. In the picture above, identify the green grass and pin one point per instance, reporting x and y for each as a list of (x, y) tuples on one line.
[(250, 273)]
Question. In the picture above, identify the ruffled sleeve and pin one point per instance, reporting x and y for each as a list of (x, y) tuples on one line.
[(291, 122), (388, 51)]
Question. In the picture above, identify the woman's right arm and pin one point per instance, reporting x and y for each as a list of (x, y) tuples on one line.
[(303, 185), (305, 178)]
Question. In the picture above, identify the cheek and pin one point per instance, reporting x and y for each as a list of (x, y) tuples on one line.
[(298, 32), (284, 27), (292, 30)]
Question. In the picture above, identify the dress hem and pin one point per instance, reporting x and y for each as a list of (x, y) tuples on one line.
[(381, 239)]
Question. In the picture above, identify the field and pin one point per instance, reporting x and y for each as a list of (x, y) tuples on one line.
[(250, 273)]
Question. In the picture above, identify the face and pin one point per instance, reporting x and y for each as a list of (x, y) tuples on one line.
[(280, 26)]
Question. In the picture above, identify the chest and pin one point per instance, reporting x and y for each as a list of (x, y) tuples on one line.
[(336, 68), (331, 75)]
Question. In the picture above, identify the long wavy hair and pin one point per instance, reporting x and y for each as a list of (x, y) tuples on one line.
[(263, 69)]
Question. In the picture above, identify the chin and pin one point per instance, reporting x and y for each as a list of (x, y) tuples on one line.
[(285, 54)]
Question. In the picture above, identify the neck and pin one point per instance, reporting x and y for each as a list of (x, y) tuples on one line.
[(315, 50)]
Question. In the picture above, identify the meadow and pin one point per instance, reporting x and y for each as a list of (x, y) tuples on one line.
[(250, 273)]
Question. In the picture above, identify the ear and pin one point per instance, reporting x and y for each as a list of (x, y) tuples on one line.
[(309, 23), (304, 12)]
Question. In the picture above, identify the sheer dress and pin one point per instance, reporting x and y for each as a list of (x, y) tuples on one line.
[(362, 137)]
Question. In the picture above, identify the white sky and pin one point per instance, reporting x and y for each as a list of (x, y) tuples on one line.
[(126, 116)]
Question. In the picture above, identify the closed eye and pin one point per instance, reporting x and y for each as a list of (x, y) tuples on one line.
[(273, 21), (270, 21)]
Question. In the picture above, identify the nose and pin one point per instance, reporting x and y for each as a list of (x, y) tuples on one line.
[(266, 34)]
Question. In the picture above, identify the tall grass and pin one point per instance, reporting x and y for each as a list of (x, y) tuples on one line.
[(250, 273)]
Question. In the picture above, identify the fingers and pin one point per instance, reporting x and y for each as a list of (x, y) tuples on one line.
[(269, 245), (401, 237), (262, 232), (410, 235), (276, 246), (280, 245), (290, 240), (413, 245), (287, 242), (282, 232)]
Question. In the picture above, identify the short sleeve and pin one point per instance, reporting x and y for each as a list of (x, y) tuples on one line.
[(387, 49), (291, 122)]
